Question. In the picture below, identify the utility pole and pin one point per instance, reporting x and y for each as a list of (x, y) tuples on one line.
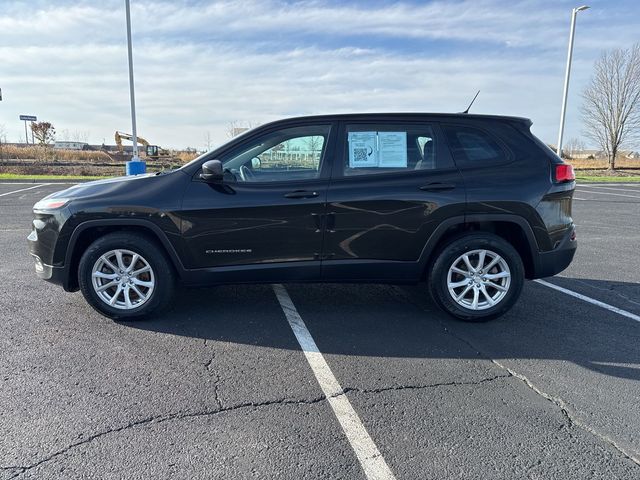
[(135, 166), (563, 112)]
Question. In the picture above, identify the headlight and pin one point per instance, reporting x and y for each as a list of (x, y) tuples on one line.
[(51, 203)]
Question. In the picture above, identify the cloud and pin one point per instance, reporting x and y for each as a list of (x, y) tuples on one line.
[(200, 65)]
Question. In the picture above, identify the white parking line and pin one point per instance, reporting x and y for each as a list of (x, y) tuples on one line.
[(23, 189), (609, 184), (615, 189), (31, 183), (593, 301), (607, 193), (370, 458)]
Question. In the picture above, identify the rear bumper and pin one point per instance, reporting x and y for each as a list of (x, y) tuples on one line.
[(547, 264)]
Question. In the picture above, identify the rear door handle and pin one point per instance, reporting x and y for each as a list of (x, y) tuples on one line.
[(331, 222), (301, 194), (435, 187)]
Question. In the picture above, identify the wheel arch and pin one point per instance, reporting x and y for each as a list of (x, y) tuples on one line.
[(512, 228), (87, 232)]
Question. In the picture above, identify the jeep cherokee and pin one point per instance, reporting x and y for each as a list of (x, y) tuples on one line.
[(470, 204)]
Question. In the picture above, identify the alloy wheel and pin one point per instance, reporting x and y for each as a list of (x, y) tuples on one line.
[(123, 279), (478, 279)]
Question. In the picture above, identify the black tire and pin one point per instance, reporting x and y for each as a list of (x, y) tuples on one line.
[(161, 269), (437, 278)]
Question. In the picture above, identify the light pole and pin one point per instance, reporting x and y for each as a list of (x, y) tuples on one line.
[(574, 13), (134, 166)]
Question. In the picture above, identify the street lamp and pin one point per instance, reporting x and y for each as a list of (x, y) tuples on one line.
[(574, 13), (134, 166)]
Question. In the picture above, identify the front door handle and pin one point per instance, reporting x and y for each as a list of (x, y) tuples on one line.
[(301, 194), (437, 187)]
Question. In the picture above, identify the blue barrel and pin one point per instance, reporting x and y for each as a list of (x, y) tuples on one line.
[(135, 167)]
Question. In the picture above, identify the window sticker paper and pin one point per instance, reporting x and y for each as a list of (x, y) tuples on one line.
[(363, 151), (392, 149)]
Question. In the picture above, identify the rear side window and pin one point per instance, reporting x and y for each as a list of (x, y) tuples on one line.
[(384, 148), (473, 147)]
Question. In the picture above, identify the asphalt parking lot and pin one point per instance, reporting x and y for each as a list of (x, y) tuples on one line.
[(219, 386)]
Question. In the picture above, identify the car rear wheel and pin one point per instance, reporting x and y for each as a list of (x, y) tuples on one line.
[(125, 275), (477, 277)]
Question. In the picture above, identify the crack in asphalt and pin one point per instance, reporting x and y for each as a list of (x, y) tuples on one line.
[(216, 381), (157, 419), (420, 387), (570, 417)]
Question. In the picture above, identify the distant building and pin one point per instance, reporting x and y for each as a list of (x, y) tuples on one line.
[(64, 145), (630, 154), (588, 154), (585, 154)]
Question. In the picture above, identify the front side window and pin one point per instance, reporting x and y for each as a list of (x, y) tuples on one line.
[(472, 146), (375, 149), (284, 155)]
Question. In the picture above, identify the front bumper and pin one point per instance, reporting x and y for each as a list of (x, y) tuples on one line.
[(50, 273), (547, 264), (45, 248)]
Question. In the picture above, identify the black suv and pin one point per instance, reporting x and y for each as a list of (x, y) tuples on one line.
[(471, 204)]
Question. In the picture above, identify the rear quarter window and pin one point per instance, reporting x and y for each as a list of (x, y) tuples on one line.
[(474, 147)]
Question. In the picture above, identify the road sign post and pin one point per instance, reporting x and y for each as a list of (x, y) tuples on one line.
[(28, 118)]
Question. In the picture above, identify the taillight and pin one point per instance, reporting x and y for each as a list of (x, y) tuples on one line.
[(564, 173)]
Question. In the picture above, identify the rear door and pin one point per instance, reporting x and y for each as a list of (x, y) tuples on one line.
[(392, 184)]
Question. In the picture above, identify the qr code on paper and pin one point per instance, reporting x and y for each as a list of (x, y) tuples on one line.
[(359, 154)]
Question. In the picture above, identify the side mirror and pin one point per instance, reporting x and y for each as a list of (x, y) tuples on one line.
[(212, 171)]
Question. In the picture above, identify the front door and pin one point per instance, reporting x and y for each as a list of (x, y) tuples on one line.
[(269, 208), (392, 184)]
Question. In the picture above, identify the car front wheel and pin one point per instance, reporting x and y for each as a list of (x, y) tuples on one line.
[(477, 277), (125, 275)]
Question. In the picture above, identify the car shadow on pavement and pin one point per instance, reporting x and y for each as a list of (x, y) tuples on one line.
[(403, 322)]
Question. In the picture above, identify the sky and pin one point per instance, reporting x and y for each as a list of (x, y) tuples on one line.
[(200, 65)]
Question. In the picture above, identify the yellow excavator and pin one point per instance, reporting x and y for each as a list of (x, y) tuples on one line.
[(152, 151)]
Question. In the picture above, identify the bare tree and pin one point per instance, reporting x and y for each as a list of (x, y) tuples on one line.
[(44, 132), (3, 140), (236, 128), (80, 136), (207, 141), (574, 145), (314, 143), (611, 108)]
